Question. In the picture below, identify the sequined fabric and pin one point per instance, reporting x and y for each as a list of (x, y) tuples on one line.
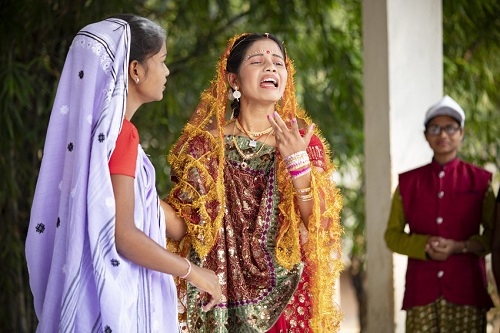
[(256, 288), (298, 311)]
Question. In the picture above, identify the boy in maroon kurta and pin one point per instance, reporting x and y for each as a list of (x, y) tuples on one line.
[(448, 206)]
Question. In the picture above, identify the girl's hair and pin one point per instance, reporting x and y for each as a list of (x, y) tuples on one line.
[(241, 46), (238, 52), (147, 37)]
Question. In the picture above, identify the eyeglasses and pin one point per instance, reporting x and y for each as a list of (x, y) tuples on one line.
[(435, 130)]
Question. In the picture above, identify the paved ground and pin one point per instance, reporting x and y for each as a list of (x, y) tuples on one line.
[(349, 305)]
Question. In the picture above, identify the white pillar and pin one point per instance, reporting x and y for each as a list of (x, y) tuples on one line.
[(403, 76)]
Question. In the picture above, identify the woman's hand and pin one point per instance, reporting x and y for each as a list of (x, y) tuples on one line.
[(206, 281), (289, 140)]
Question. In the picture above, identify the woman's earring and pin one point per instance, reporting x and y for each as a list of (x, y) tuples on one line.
[(136, 80), (236, 94)]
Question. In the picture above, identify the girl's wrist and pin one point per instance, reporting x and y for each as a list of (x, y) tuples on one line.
[(188, 270)]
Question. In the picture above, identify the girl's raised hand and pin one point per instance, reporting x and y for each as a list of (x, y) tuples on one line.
[(289, 140)]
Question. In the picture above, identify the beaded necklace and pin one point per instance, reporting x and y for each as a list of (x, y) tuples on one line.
[(253, 136), (244, 156)]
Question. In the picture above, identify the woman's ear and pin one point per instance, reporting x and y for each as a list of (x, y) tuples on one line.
[(232, 79), (134, 71)]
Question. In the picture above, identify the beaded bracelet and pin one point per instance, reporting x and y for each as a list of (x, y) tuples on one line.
[(189, 269), (300, 159), (297, 160), (295, 155)]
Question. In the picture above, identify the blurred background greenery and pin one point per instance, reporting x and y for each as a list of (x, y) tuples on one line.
[(322, 37)]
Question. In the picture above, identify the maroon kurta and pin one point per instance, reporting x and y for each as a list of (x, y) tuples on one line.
[(445, 201)]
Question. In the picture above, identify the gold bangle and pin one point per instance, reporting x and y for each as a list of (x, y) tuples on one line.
[(306, 197), (305, 190)]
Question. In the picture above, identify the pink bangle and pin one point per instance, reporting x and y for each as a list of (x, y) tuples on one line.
[(300, 173), (189, 269), (297, 171)]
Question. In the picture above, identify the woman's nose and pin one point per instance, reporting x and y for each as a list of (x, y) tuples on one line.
[(270, 67)]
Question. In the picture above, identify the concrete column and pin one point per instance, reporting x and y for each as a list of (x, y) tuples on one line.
[(403, 76)]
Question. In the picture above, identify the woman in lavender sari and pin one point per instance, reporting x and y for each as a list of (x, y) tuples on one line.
[(96, 241)]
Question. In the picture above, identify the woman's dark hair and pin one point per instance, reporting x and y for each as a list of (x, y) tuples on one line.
[(146, 36), (237, 53)]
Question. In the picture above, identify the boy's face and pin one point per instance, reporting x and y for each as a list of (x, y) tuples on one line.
[(444, 143)]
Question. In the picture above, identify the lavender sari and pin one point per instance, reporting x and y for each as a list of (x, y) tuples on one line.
[(79, 281)]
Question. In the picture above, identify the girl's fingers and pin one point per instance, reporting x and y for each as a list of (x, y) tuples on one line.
[(309, 134), (295, 127), (289, 138), (281, 124), (216, 297), (274, 125), (210, 305)]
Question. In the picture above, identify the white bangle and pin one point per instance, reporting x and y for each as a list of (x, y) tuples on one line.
[(189, 269)]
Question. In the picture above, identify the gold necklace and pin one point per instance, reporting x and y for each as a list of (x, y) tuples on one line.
[(253, 141), (254, 135), (247, 156)]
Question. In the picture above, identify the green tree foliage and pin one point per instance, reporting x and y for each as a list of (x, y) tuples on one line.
[(472, 73)]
